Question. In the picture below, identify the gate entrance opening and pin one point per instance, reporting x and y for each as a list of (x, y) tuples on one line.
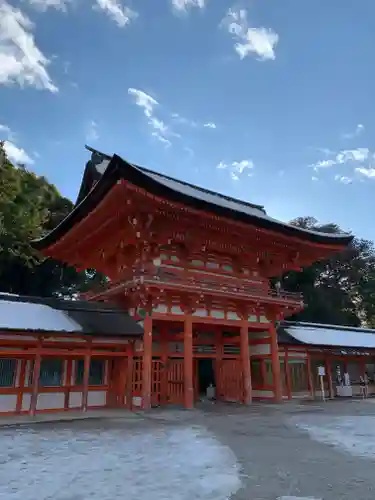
[(206, 375)]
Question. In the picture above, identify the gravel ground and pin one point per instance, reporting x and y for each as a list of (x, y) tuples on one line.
[(264, 452)]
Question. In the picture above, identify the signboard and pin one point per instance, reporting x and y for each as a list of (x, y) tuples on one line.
[(321, 371)]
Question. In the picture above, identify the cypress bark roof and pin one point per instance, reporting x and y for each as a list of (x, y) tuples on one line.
[(103, 171), (39, 314)]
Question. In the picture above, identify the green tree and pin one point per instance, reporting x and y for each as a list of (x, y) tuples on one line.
[(30, 206), (340, 290)]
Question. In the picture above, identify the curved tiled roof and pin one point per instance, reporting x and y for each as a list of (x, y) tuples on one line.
[(39, 314), (103, 171)]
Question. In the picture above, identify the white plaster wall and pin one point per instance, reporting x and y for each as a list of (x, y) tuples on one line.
[(50, 400), (96, 398), (263, 394), (75, 399), (8, 402), (260, 348), (200, 312), (26, 400)]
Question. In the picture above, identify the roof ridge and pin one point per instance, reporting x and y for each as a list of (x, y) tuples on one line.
[(185, 183)]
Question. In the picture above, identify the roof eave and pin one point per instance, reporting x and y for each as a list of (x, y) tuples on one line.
[(119, 168)]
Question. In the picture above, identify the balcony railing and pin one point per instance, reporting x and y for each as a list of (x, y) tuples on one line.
[(203, 283), (174, 279)]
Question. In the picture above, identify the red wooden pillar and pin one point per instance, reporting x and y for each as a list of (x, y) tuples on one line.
[(219, 345), (129, 377), (327, 364), (276, 372), (245, 359), (288, 379), (21, 386), (310, 378), (164, 361), (68, 383), (36, 377), (85, 382), (188, 363), (147, 362)]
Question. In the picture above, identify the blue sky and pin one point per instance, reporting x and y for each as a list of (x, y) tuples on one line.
[(270, 101)]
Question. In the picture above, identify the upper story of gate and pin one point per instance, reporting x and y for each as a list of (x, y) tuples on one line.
[(150, 232)]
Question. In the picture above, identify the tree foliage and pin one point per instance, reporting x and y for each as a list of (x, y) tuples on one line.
[(29, 207), (340, 290)]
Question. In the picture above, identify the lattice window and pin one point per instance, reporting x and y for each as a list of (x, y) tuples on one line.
[(51, 371), (96, 374), (7, 372), (256, 373)]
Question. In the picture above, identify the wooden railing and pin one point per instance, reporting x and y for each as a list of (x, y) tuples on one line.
[(201, 282)]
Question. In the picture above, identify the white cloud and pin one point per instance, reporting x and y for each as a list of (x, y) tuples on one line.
[(184, 5), (145, 101), (367, 172), (324, 164), (17, 155), (315, 179), (120, 14), (259, 41), (92, 133), (359, 154), (343, 179), (21, 61), (237, 168), (148, 104), (210, 125), (358, 131), (43, 5)]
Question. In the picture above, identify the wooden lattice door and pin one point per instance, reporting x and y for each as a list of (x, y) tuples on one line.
[(176, 381), (231, 382), (156, 382)]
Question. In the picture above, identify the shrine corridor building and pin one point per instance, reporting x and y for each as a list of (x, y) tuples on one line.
[(193, 267)]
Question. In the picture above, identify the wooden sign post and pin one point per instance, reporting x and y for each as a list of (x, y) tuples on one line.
[(321, 373)]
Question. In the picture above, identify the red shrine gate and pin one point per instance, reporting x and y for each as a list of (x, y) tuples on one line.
[(198, 265)]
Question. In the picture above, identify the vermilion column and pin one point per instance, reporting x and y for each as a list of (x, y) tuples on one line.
[(245, 359), (129, 377), (329, 377), (85, 383), (310, 379), (287, 374), (164, 360), (278, 396), (188, 363), (36, 377), (219, 360), (147, 362)]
